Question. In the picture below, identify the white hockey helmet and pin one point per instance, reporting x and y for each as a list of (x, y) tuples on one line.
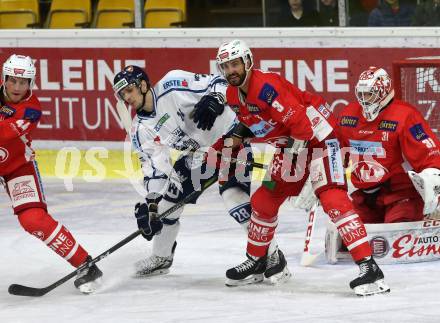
[(374, 91), (19, 66), (232, 50)]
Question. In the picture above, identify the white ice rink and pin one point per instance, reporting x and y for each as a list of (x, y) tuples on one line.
[(100, 215)]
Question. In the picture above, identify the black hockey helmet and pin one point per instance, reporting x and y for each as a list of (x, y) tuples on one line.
[(131, 74)]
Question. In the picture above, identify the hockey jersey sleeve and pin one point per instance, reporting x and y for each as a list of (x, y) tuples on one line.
[(217, 84), (291, 107), (420, 146), (154, 158), (18, 124)]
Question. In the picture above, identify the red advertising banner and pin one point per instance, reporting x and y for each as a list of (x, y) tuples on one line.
[(75, 84)]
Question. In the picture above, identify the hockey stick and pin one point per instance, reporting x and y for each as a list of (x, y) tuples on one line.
[(20, 290), (307, 258), (126, 123)]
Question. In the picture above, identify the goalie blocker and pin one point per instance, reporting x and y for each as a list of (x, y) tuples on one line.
[(392, 243)]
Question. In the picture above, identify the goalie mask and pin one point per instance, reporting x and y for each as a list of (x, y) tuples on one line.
[(130, 76), (19, 66), (374, 91), (232, 50)]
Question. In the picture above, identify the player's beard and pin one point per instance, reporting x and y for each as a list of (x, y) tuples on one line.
[(236, 79)]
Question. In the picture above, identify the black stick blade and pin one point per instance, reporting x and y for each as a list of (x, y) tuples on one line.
[(21, 290)]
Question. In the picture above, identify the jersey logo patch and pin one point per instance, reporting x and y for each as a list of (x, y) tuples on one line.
[(388, 125), (161, 121), (418, 132), (261, 129), (268, 93), (253, 108), (7, 111), (324, 111), (175, 83), (32, 115), (369, 148), (349, 121)]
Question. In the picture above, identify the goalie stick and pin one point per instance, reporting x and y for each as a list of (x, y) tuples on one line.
[(21, 290), (308, 258)]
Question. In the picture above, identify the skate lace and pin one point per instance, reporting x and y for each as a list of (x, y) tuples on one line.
[(248, 264)]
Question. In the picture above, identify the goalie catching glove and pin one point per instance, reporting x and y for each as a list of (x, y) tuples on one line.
[(147, 216), (427, 183)]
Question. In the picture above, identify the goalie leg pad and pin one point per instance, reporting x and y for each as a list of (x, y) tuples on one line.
[(39, 223)]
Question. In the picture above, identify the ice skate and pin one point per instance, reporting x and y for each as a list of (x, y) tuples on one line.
[(249, 272), (370, 280), (88, 280), (155, 265), (276, 268)]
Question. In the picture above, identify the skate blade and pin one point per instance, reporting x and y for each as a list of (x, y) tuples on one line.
[(281, 277), (158, 272), (90, 287), (254, 279), (378, 287)]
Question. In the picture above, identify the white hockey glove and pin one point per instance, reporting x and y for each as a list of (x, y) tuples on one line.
[(427, 183), (307, 198)]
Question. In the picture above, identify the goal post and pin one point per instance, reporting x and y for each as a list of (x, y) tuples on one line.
[(417, 81)]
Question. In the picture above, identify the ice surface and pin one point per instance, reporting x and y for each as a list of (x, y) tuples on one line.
[(210, 242)]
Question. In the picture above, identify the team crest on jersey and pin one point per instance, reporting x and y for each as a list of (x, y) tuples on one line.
[(175, 83), (32, 115), (418, 132), (6, 112), (388, 125), (253, 108), (349, 121), (268, 93), (161, 121)]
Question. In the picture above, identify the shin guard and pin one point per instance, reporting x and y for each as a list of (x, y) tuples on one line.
[(260, 235), (40, 224)]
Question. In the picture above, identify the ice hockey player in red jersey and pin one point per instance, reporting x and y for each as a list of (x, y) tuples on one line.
[(301, 126), (20, 112), (391, 148)]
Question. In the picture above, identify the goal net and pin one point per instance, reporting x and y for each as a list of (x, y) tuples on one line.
[(417, 81)]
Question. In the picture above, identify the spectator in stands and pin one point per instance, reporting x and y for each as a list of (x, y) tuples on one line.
[(392, 13), (294, 13), (328, 13), (359, 10), (427, 14)]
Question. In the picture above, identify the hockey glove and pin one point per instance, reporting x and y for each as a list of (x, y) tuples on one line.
[(207, 109), (147, 218)]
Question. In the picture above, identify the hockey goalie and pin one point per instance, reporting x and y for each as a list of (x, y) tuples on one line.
[(394, 160)]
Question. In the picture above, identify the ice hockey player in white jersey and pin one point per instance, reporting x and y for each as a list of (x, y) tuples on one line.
[(186, 112)]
